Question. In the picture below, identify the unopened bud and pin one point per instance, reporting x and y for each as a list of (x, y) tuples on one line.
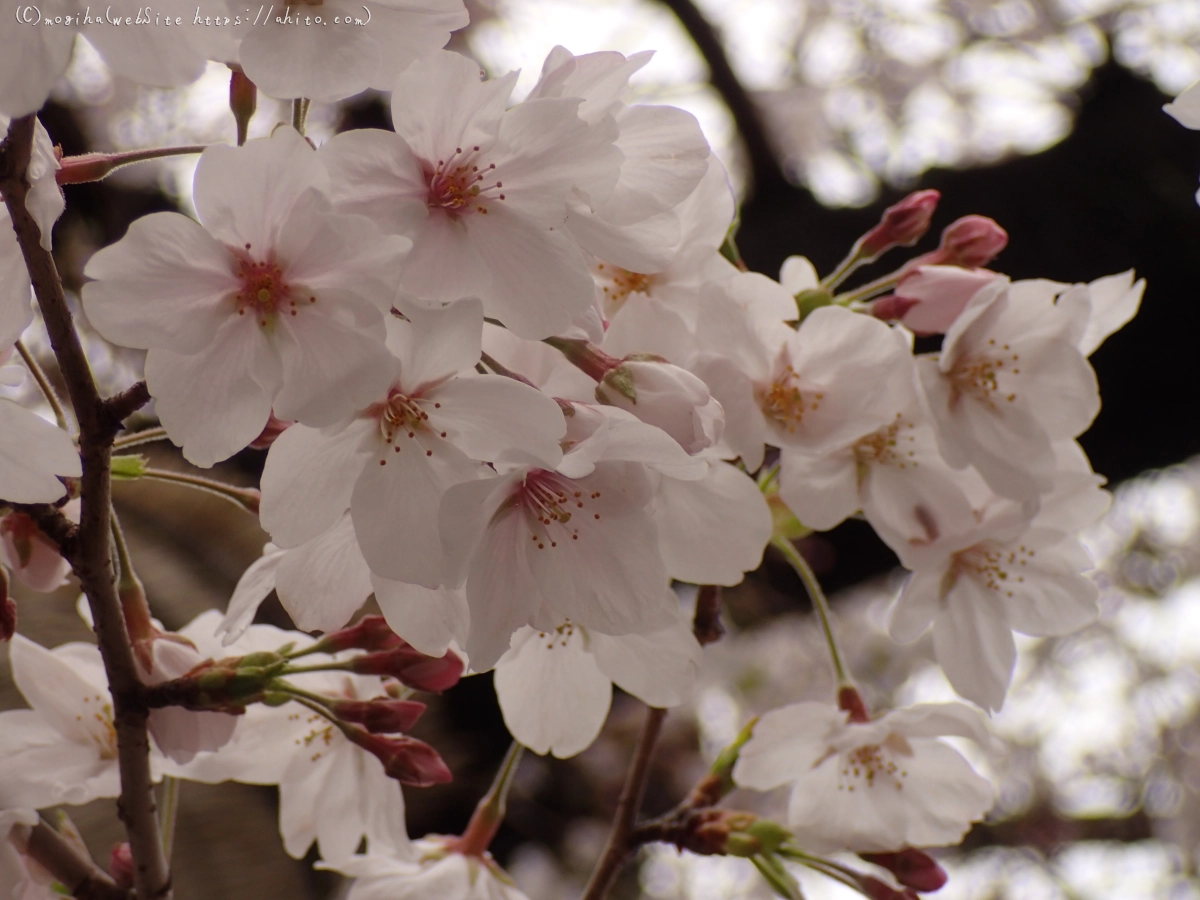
[(120, 866), (913, 868), (8, 609), (902, 225), (405, 759), (666, 396), (874, 889), (930, 298), (851, 701), (585, 356), (271, 432), (411, 667), (368, 633), (380, 716), (747, 835), (971, 242), (892, 307), (243, 101)]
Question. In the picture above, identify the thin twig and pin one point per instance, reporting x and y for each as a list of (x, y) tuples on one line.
[(619, 845), (801, 567), (82, 878), (43, 382), (246, 499), (145, 436), (92, 560)]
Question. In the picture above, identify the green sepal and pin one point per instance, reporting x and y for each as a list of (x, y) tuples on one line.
[(811, 299), (129, 467)]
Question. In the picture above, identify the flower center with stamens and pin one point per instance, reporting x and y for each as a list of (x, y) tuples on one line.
[(996, 569), (617, 284), (560, 635), (888, 446), (264, 292), (401, 417), (784, 403), (549, 503), (979, 376), (98, 719), (865, 765), (461, 184)]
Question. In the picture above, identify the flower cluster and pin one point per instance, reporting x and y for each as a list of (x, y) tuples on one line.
[(512, 387)]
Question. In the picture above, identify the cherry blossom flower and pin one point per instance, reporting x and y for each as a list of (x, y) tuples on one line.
[(426, 431), (555, 686), (330, 790), (667, 396), (431, 869), (276, 302), (1185, 108), (64, 749), (872, 786), (33, 453), (287, 59), (21, 878), (482, 191), (1010, 379)]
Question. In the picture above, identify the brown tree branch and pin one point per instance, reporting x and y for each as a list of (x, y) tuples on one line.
[(123, 405), (53, 524), (766, 173), (619, 845), (706, 623), (92, 560), (71, 868)]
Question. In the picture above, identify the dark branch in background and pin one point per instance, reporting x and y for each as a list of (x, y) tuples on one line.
[(92, 560), (765, 170), (83, 879), (706, 623)]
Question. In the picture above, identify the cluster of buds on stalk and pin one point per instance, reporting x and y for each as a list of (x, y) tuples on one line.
[(391, 656), (653, 389)]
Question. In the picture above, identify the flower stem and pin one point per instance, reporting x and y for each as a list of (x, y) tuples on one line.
[(145, 436), (131, 592), (44, 383), (169, 807), (800, 565), (489, 812), (247, 499), (96, 166)]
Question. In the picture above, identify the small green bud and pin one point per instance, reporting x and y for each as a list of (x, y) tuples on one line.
[(811, 299), (128, 468)]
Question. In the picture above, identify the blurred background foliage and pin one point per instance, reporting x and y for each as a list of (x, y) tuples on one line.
[(1045, 115)]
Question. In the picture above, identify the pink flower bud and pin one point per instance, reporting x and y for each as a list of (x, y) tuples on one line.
[(933, 296), (902, 225), (667, 396), (120, 866), (971, 242), (368, 633), (851, 701), (874, 889), (270, 433), (8, 609), (380, 716), (891, 308), (406, 759), (915, 869), (243, 101), (411, 667)]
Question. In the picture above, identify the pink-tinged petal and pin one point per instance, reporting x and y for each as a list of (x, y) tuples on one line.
[(245, 195), (45, 200), (797, 274), (545, 150), (319, 249), (325, 581), (1114, 301), (410, 29), (974, 645), (648, 245), (621, 437), (931, 720), (939, 294), (1049, 595), (433, 344), (182, 733), (41, 769), (427, 619), (713, 530), (666, 155), (786, 742), (32, 453), (320, 63), (486, 415), (745, 432), (395, 506), (445, 264), (214, 403), (1060, 387), (658, 668), (440, 103), (1185, 109), (300, 792), (944, 796), (34, 57), (166, 284), (334, 359), (309, 477), (540, 280), (553, 696), (920, 600), (374, 173), (60, 693), (465, 514), (820, 490), (32, 557), (147, 57), (252, 589)]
